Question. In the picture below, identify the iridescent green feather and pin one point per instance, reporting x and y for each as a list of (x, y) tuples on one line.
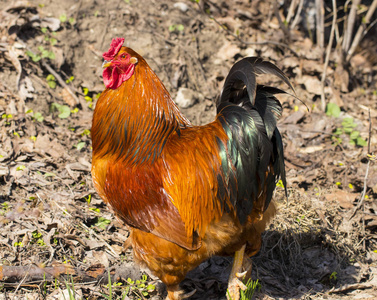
[(248, 114)]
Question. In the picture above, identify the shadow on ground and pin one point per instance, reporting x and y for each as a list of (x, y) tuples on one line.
[(289, 265)]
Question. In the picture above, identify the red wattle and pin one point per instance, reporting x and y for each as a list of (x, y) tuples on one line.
[(112, 79)]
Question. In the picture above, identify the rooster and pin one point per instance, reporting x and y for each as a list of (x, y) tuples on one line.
[(187, 192)]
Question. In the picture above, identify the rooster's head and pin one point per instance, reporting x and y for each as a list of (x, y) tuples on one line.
[(119, 64)]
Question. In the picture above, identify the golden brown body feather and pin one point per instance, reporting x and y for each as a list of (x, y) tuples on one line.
[(171, 262)]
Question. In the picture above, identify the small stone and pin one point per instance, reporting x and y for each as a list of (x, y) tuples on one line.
[(181, 6), (186, 97)]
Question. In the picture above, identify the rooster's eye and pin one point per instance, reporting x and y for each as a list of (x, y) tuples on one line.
[(123, 55)]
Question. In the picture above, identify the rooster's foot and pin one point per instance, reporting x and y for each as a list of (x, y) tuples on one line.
[(174, 293), (235, 284)]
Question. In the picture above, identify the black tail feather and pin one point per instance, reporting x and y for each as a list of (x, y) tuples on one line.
[(243, 75), (249, 114)]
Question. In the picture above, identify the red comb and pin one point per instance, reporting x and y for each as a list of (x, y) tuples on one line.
[(115, 46)]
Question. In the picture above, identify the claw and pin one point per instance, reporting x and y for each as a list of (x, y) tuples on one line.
[(188, 295), (241, 275), (235, 284), (174, 293), (234, 289), (240, 284)]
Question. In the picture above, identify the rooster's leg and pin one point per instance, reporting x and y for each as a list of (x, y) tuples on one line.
[(175, 293), (235, 284)]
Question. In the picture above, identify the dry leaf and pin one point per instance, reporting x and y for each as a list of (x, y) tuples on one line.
[(67, 97), (344, 198), (4, 171), (52, 23), (95, 270), (26, 88), (59, 57), (341, 78), (101, 256), (228, 51), (311, 149), (53, 148), (294, 118), (76, 166), (312, 84)]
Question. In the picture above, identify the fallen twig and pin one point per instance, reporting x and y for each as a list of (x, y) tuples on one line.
[(356, 286), (60, 80), (25, 275)]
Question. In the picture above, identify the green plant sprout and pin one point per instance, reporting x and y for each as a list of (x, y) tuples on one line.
[(88, 199), (70, 79), (85, 132), (64, 110), (80, 145), (20, 168), (46, 53), (4, 208), (18, 244), (97, 210), (139, 286), (334, 276), (280, 184), (70, 289), (51, 81), (347, 127), (102, 223), (176, 27), (63, 18), (333, 110), (38, 117), (88, 98), (37, 238), (7, 118), (251, 287)]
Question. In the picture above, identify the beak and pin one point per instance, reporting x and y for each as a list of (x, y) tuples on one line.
[(106, 64)]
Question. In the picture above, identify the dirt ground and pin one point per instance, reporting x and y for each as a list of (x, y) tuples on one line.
[(323, 242)]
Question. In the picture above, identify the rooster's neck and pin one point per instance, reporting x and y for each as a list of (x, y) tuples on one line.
[(133, 122)]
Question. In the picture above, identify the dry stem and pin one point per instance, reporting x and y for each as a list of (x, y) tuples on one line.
[(291, 10), (328, 52), (320, 23), (281, 23), (298, 13), (362, 30), (362, 197), (350, 24)]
